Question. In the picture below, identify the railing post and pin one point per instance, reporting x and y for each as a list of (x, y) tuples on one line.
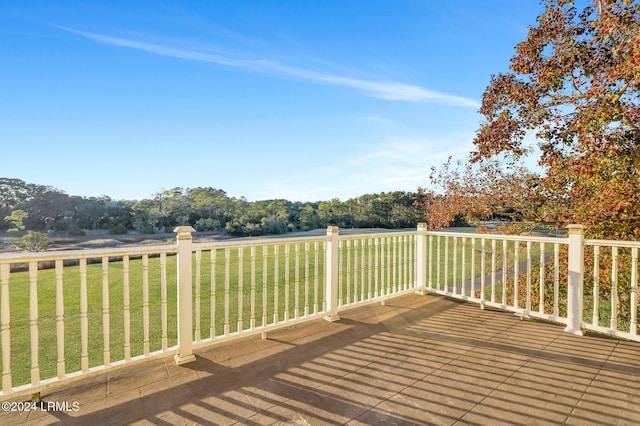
[(331, 273), (575, 280), (421, 258), (185, 302)]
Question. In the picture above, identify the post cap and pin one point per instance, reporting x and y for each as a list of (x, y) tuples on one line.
[(333, 230), (575, 229), (184, 232)]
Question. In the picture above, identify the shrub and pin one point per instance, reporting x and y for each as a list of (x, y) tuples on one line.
[(77, 231), (33, 241), (118, 229), (208, 224)]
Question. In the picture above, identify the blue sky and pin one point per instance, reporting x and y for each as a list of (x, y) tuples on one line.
[(303, 100)]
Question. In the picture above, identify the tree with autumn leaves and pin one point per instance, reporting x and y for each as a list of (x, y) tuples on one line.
[(574, 83)]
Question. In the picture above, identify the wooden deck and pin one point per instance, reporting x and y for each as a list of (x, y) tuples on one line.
[(415, 360)]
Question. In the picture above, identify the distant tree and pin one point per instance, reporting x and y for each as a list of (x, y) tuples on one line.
[(91, 213), (210, 203), (309, 218), (235, 229), (489, 189), (575, 82), (33, 241), (202, 225), (12, 193), (175, 206), (49, 209), (16, 218), (146, 216)]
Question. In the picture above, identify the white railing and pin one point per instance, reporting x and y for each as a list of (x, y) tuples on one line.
[(58, 317), (69, 314), (66, 315), (584, 284), (374, 267), (611, 287), (250, 286), (514, 273)]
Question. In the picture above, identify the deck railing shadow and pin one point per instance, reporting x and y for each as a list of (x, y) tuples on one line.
[(396, 370), (221, 379)]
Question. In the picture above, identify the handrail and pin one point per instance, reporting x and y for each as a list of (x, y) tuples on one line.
[(22, 257)]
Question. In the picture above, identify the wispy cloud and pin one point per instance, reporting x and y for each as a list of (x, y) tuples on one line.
[(401, 164), (389, 90), (405, 163)]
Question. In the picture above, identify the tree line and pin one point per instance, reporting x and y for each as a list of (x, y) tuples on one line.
[(26, 206)]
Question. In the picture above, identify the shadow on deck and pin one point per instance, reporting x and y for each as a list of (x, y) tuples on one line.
[(416, 360)]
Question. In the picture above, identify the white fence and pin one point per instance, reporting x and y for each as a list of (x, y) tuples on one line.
[(66, 315)]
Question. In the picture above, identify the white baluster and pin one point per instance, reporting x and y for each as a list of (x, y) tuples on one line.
[(348, 254), (406, 277), (633, 325), (126, 307), (33, 322), (286, 282), (541, 289), (376, 244), (505, 252), (265, 275), (296, 282), (493, 271), (454, 283), (306, 278), (369, 269), (516, 272), (316, 268), (446, 264), (596, 285), (394, 266), (276, 285), (614, 288), (556, 277), (528, 307), (252, 319), (106, 324), (212, 292), (463, 290), (240, 289), (61, 367), (473, 267), (84, 318), (197, 295), (482, 271), (163, 301), (355, 270), (145, 304), (430, 262), (227, 284)]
